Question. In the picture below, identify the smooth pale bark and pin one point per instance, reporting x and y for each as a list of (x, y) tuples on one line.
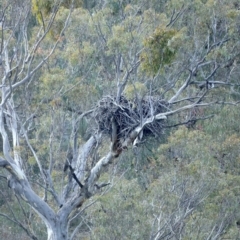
[(56, 224)]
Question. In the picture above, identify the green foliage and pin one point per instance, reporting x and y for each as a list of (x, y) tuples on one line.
[(119, 39), (43, 8), (138, 89), (159, 50), (184, 174), (52, 80), (224, 123), (121, 213)]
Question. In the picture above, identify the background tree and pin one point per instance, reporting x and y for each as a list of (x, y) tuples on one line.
[(78, 77)]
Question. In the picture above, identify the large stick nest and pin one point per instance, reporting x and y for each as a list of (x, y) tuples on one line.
[(128, 114)]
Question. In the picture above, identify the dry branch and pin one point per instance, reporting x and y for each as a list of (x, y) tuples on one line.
[(128, 114)]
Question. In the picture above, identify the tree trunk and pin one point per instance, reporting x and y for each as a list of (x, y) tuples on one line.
[(56, 224), (58, 231)]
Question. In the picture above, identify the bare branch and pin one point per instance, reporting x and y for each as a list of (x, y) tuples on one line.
[(181, 89), (19, 223), (30, 72), (175, 16)]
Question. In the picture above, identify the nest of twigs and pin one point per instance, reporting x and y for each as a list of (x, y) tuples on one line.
[(128, 114)]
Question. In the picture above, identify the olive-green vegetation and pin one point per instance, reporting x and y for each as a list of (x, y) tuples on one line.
[(183, 185)]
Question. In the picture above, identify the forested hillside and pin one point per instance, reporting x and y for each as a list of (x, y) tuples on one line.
[(119, 119)]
